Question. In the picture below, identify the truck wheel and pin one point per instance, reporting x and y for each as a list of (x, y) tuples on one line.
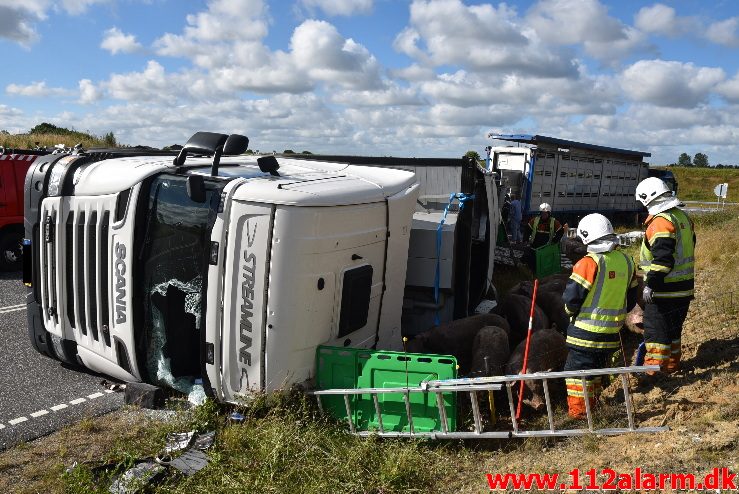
[(11, 250)]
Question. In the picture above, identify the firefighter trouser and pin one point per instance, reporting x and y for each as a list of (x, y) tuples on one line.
[(584, 359), (663, 326)]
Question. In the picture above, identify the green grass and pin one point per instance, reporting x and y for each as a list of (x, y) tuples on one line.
[(696, 184), (282, 446), (48, 135)]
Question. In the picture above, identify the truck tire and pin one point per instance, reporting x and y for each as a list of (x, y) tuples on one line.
[(65, 351), (11, 250)]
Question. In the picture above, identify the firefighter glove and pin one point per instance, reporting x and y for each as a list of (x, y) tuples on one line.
[(648, 295)]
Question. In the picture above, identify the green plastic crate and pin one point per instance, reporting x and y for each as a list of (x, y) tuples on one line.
[(353, 368), (548, 260)]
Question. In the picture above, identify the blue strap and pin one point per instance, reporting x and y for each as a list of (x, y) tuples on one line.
[(462, 198), (641, 353)]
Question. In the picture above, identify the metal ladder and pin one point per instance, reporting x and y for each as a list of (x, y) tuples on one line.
[(493, 383)]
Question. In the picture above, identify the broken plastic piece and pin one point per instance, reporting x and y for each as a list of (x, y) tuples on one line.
[(192, 461), (177, 441), (236, 417), (204, 440), (112, 386), (136, 478)]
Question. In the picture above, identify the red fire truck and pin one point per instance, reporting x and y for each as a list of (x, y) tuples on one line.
[(13, 167)]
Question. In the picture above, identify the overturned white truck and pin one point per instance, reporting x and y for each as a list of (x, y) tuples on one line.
[(216, 269)]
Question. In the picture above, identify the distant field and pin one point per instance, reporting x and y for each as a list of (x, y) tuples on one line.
[(28, 141), (696, 184)]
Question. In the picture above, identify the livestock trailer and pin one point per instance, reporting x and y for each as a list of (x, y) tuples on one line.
[(575, 178)]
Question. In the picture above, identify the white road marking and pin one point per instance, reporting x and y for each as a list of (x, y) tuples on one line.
[(55, 408), (12, 308)]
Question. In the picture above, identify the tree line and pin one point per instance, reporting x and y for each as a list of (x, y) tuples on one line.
[(700, 160)]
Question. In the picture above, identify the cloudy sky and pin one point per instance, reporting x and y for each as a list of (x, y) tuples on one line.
[(379, 77)]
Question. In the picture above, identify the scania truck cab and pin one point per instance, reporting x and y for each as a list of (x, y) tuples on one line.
[(212, 266)]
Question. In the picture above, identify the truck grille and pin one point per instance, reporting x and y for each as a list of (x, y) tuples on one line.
[(75, 262)]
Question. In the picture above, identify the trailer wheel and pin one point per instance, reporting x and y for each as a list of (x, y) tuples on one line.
[(11, 250)]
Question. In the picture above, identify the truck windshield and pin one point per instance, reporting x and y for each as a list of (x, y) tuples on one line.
[(172, 244)]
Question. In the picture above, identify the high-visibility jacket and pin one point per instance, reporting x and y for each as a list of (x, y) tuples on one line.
[(670, 276), (544, 233), (607, 278), (535, 226)]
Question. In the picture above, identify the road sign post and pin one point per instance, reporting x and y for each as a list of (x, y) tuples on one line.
[(721, 191)]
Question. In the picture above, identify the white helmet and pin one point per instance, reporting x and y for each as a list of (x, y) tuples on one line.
[(649, 189), (655, 195), (544, 206), (593, 227)]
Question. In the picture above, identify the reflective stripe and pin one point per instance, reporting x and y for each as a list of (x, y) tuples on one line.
[(684, 293), (574, 387), (587, 320), (676, 348), (604, 308), (571, 340), (580, 281), (684, 267), (664, 235), (597, 311), (551, 227), (657, 351)]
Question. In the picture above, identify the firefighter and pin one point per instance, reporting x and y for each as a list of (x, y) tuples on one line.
[(602, 289), (543, 229), (667, 257)]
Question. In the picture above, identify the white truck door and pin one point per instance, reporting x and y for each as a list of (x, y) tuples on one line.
[(245, 298)]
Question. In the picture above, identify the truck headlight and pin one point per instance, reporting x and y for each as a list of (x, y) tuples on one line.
[(55, 180)]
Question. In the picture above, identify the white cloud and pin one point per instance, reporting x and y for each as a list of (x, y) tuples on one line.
[(532, 96), (152, 84), (34, 90), (76, 7), (7, 111), (414, 73), (18, 18), (17, 21), (671, 84), (229, 20), (478, 37), (730, 89), (339, 7), (724, 32), (586, 22), (116, 41), (89, 93), (319, 50), (393, 96), (663, 20)]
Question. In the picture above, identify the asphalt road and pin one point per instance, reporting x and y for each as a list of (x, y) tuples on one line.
[(39, 395)]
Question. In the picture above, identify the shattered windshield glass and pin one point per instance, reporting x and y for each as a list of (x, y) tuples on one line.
[(173, 244)]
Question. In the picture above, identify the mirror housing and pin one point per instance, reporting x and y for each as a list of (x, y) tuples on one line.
[(235, 144), (195, 187), (269, 164)]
